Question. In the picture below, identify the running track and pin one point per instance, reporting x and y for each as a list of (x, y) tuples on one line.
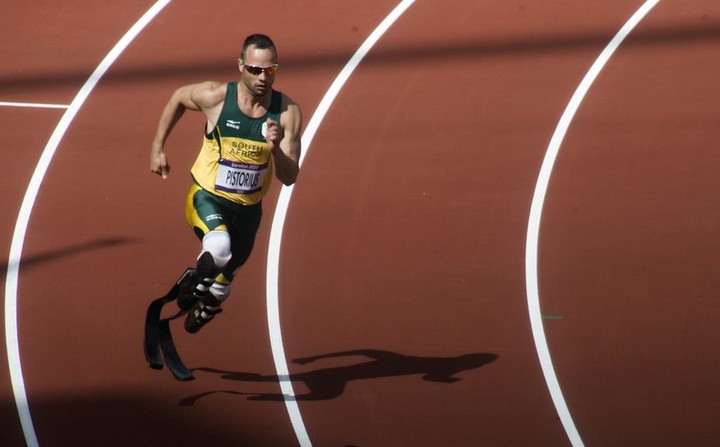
[(403, 259)]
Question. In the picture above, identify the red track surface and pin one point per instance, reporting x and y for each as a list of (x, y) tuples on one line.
[(405, 238)]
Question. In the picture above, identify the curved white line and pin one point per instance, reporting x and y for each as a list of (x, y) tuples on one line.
[(531, 253), (273, 309), (18, 240)]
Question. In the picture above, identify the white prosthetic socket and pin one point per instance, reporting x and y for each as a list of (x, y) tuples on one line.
[(217, 243)]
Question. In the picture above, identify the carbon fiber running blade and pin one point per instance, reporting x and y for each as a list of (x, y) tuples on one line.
[(170, 354), (158, 343), (151, 342)]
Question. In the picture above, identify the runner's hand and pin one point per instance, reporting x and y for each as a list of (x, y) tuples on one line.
[(159, 164), (273, 134)]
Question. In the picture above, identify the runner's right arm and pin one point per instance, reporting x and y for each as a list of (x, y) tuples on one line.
[(206, 97)]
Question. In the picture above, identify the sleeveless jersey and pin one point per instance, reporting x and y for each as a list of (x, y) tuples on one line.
[(234, 161)]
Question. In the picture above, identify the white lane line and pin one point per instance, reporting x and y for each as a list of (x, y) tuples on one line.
[(273, 308), (533, 232), (18, 240), (38, 105)]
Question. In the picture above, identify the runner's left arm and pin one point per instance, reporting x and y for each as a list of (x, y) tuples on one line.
[(284, 142)]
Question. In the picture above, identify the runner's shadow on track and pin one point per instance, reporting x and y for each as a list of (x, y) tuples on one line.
[(329, 383)]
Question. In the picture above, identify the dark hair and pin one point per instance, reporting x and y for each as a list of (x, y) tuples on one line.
[(259, 41)]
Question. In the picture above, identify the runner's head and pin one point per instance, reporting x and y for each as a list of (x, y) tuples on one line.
[(258, 63), (260, 42)]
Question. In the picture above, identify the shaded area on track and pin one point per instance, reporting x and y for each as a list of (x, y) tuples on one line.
[(11, 434), (138, 420), (33, 260), (329, 383), (701, 30)]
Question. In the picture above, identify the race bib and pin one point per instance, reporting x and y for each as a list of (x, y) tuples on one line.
[(239, 178)]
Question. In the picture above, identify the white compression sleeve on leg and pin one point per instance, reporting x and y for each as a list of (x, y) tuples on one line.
[(217, 242)]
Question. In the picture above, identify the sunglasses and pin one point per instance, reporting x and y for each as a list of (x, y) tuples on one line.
[(255, 70)]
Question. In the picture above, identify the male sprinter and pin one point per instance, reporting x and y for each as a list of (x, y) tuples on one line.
[(252, 131)]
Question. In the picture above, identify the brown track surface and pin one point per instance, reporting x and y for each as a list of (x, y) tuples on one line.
[(403, 256)]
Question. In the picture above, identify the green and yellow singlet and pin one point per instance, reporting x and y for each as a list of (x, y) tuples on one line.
[(234, 161)]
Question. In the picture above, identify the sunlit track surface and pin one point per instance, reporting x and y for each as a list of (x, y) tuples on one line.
[(401, 280)]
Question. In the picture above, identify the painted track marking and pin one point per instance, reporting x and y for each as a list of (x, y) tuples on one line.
[(36, 105), (541, 186), (18, 240), (273, 261)]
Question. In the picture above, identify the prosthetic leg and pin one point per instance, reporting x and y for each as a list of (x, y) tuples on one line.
[(158, 343), (197, 294), (209, 293), (204, 305)]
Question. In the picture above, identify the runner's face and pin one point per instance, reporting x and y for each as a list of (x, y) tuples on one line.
[(259, 84)]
